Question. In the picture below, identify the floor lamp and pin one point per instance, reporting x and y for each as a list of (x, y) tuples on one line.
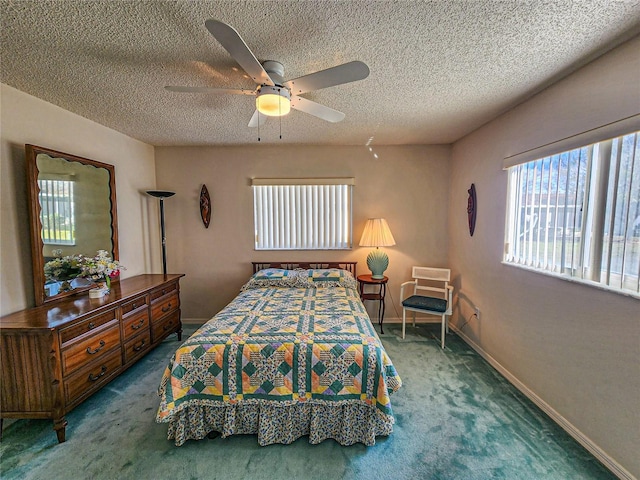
[(162, 195)]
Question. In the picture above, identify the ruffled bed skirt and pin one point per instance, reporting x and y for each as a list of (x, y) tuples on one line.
[(345, 422)]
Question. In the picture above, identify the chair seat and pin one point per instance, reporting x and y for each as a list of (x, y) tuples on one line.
[(425, 303)]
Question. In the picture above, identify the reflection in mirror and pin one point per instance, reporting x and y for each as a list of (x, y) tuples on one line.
[(73, 212)]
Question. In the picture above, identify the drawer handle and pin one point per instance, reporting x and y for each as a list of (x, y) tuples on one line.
[(92, 352), (92, 326), (93, 377), (167, 326), (134, 306), (140, 347), (138, 325), (164, 291), (166, 309)]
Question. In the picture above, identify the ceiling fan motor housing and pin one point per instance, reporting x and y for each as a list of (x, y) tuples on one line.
[(275, 71)]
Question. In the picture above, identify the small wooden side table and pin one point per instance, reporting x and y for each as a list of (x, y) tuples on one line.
[(379, 295)]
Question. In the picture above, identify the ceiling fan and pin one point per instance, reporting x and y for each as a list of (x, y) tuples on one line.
[(275, 96)]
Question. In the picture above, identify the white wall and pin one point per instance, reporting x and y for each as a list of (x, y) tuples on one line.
[(26, 119), (406, 185), (575, 347)]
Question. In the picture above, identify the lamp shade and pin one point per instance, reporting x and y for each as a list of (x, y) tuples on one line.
[(377, 234)]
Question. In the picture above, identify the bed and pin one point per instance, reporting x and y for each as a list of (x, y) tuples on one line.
[(294, 354)]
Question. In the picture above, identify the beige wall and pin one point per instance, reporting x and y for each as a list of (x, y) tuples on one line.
[(26, 119), (406, 185), (575, 347)]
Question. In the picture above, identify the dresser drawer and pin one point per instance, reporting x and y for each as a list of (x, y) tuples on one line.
[(164, 290), (90, 348), (69, 333), (164, 305), (137, 346), (136, 322), (165, 327), (131, 307), (91, 378)]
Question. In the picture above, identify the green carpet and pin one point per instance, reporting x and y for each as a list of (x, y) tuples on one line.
[(456, 418)]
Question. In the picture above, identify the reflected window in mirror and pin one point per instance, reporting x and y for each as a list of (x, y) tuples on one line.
[(57, 211)]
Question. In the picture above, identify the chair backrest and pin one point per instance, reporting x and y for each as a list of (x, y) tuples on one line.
[(430, 275)]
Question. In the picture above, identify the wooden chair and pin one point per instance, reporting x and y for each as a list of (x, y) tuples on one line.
[(430, 294)]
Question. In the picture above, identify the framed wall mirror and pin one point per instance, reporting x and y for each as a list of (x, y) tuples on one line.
[(72, 205)]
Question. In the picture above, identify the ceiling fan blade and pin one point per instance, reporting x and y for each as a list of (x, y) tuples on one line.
[(345, 73), (233, 91), (257, 119), (315, 109), (233, 43)]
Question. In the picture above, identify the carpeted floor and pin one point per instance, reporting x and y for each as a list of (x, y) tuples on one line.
[(456, 418)]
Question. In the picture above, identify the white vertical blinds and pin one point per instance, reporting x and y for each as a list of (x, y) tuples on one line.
[(578, 214), (302, 214)]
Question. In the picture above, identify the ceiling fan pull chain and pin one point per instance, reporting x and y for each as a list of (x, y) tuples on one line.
[(258, 126), (280, 113)]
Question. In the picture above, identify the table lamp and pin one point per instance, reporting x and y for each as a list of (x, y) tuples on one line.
[(377, 234)]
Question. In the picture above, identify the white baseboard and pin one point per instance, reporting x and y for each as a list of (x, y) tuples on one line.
[(580, 437)]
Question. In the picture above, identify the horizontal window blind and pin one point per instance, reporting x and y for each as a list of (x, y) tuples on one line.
[(303, 216)]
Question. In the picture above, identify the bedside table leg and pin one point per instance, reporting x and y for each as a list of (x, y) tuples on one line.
[(383, 293)]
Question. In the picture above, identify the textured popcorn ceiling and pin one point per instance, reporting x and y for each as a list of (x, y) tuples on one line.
[(439, 69)]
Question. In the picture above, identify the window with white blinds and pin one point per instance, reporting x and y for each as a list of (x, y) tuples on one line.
[(302, 214), (57, 213), (577, 214)]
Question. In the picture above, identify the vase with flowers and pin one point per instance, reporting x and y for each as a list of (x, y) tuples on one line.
[(63, 269), (101, 269)]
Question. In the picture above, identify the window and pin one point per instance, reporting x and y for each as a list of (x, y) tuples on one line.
[(57, 212), (302, 214), (577, 214)]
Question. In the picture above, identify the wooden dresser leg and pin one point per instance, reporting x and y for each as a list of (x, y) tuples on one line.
[(1, 427), (179, 332), (59, 426)]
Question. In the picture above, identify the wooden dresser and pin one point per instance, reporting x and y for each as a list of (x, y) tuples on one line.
[(56, 355)]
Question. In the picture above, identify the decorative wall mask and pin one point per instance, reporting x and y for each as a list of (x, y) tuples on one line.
[(472, 208), (205, 206)]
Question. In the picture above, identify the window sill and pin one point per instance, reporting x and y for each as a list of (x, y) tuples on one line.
[(579, 281)]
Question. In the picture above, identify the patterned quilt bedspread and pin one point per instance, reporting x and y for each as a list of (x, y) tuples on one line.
[(294, 345)]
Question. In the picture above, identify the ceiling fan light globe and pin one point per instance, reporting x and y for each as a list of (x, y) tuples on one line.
[(273, 101)]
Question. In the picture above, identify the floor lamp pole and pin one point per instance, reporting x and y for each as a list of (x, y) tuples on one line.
[(164, 237), (162, 195)]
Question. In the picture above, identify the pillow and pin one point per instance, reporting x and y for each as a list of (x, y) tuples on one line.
[(272, 273), (300, 278), (277, 277), (326, 274), (331, 277)]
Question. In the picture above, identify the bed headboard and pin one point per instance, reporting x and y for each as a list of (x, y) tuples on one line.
[(348, 266)]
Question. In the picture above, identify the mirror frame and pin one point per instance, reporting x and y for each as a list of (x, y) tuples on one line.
[(37, 244)]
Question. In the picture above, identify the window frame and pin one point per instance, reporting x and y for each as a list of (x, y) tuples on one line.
[(597, 219), (294, 210)]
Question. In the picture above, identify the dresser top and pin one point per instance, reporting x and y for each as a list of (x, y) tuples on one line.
[(55, 314)]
